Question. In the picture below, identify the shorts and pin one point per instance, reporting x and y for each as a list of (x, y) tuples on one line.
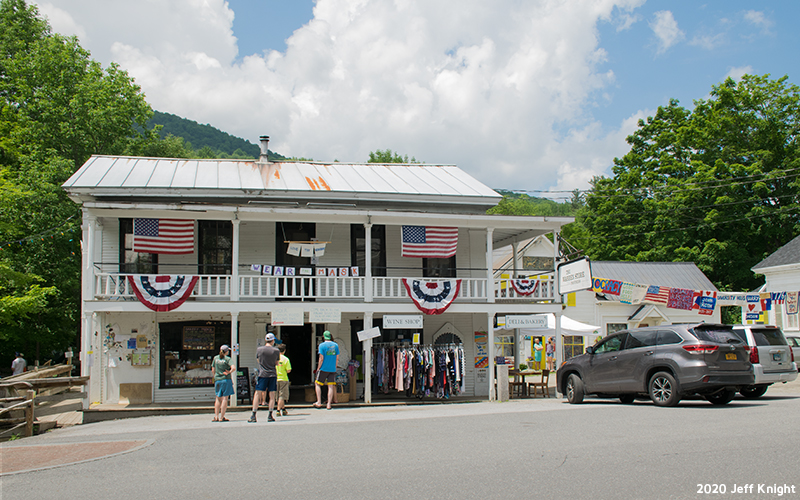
[(326, 377), (283, 390), (223, 388), (269, 384)]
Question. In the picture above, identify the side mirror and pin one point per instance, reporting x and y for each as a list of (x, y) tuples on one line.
[(590, 350)]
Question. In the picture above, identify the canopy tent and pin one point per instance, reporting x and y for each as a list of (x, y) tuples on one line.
[(568, 327)]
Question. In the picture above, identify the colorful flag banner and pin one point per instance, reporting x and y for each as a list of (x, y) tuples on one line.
[(525, 286), (432, 297), (680, 298), (631, 293), (608, 287), (160, 292), (791, 302), (167, 236), (429, 241), (294, 249), (657, 294), (704, 302)]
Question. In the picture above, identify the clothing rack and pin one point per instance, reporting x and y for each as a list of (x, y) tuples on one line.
[(420, 370)]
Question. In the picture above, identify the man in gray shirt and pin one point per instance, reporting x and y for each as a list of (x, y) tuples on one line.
[(268, 357)]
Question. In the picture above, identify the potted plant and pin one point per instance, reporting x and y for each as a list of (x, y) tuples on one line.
[(523, 367)]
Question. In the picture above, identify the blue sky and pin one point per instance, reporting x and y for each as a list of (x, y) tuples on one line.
[(535, 95)]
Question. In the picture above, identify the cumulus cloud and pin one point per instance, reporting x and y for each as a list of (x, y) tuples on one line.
[(665, 27), (502, 89), (759, 20), (738, 73)]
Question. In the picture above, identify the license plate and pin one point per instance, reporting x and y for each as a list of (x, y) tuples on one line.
[(730, 355), (776, 356)]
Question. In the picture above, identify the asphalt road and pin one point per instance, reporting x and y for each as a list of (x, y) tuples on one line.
[(517, 449)]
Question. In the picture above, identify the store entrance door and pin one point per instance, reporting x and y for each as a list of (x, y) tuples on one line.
[(298, 350)]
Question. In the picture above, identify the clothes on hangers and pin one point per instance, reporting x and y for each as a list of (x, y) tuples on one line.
[(419, 371)]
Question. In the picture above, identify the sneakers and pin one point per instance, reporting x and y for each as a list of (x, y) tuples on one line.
[(270, 418), (252, 418), (284, 412)]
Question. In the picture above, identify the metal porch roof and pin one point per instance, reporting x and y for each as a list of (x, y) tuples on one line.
[(671, 274), (121, 177)]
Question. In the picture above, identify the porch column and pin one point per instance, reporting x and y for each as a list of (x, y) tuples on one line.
[(367, 360), (234, 342), (490, 348), (514, 259), (557, 297), (368, 263), (86, 348), (489, 271), (235, 261), (89, 235)]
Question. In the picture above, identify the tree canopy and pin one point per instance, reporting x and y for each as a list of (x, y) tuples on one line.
[(389, 156), (57, 107), (717, 185)]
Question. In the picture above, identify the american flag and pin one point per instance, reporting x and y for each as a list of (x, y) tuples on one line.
[(429, 241), (171, 236), (657, 294)]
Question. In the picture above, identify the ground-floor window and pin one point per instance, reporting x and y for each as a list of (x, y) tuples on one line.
[(615, 327), (573, 346), (187, 349), (504, 347)]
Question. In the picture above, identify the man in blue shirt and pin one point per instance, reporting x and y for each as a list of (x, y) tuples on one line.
[(326, 368)]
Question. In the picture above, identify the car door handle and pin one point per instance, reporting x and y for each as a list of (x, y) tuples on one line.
[(648, 353), (613, 358)]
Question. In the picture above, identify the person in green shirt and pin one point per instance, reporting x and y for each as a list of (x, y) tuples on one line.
[(283, 368), (223, 386)]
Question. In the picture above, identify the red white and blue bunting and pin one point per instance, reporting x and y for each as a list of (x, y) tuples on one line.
[(432, 297), (524, 286), (162, 292)]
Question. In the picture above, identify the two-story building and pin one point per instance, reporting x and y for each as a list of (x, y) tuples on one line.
[(182, 256)]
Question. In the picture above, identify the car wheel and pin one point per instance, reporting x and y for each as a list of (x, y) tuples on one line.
[(627, 399), (722, 397), (753, 391), (663, 389), (574, 390)]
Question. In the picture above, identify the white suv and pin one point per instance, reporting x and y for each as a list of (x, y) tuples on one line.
[(771, 356)]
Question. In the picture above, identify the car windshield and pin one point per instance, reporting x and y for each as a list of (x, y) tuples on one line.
[(768, 336), (716, 334)]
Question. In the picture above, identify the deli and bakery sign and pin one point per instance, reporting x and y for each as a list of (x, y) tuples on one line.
[(526, 321), (402, 321)]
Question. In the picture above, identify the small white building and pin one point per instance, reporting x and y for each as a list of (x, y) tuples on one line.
[(293, 248), (782, 272)]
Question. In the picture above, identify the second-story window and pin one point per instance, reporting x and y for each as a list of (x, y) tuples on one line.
[(439, 268), (358, 243), (216, 246), (131, 262)]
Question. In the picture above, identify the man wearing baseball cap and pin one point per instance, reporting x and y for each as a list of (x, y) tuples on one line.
[(268, 357), (326, 368)]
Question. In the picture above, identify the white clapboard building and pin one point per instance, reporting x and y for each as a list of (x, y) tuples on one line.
[(182, 256)]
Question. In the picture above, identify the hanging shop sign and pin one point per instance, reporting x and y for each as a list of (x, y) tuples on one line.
[(526, 321), (287, 316), (574, 276), (402, 321), (369, 333), (325, 315)]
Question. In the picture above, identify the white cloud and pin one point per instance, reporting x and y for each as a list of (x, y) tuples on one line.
[(758, 19), (502, 89), (738, 73), (665, 27), (708, 42)]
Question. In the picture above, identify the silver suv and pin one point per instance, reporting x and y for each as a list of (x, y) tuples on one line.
[(772, 357), (664, 362)]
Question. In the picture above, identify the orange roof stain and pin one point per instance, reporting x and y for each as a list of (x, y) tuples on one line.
[(324, 184), (313, 184), (277, 173)]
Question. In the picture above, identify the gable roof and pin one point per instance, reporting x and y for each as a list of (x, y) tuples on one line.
[(786, 255), (671, 274), (124, 177)]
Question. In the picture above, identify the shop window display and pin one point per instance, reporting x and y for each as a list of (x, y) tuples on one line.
[(187, 349)]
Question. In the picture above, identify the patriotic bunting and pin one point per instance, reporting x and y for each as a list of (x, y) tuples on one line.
[(162, 293), (680, 298), (524, 286), (432, 297), (657, 294)]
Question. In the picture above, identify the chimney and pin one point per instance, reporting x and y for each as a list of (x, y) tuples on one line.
[(264, 149)]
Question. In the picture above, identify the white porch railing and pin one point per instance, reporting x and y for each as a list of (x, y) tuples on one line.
[(393, 288), (114, 286), (294, 287)]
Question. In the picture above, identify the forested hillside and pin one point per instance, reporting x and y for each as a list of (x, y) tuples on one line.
[(210, 142)]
